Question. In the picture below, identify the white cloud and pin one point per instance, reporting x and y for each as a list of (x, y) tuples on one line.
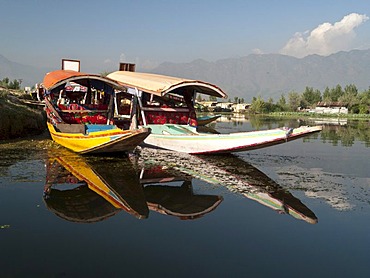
[(326, 38)]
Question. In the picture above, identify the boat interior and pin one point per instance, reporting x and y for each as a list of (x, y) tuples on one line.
[(169, 109), (83, 106)]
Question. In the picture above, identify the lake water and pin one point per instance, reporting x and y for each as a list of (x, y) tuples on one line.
[(299, 209)]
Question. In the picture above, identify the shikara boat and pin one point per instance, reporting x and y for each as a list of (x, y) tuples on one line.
[(79, 108), (167, 108)]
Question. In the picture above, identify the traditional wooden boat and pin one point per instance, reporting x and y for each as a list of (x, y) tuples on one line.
[(167, 108), (79, 108)]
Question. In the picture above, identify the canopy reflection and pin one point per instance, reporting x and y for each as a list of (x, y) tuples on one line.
[(180, 201)]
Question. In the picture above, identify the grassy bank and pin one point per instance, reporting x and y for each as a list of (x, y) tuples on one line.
[(300, 115), (319, 115), (17, 119), (295, 115)]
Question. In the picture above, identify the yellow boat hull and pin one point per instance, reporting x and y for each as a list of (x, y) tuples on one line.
[(105, 141)]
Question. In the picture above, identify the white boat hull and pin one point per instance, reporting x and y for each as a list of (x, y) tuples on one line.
[(201, 143)]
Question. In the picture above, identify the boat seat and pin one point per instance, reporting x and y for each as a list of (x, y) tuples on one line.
[(71, 128), (98, 127), (78, 114), (166, 115), (81, 118)]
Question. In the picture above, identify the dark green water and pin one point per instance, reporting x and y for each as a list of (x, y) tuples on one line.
[(299, 209)]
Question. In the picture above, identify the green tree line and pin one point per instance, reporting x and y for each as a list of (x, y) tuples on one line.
[(356, 102), (15, 84)]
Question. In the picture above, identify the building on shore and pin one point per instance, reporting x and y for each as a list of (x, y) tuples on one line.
[(214, 106), (323, 107)]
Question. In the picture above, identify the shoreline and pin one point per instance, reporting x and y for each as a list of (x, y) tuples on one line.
[(20, 118)]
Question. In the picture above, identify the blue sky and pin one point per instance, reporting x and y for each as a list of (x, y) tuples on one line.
[(103, 33)]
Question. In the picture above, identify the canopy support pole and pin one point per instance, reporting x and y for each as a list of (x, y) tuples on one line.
[(141, 106)]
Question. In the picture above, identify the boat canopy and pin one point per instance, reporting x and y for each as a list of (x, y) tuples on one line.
[(161, 84), (57, 79)]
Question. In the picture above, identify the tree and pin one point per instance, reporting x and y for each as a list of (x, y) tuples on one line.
[(294, 101), (5, 82), (310, 97), (336, 93), (281, 105), (212, 98), (364, 102), (349, 97), (257, 105), (326, 95), (15, 84), (270, 106), (351, 89)]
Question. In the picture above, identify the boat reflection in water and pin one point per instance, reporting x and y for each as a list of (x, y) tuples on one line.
[(91, 189), (77, 192), (179, 201), (238, 176)]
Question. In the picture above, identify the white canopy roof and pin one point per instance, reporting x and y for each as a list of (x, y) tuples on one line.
[(162, 84)]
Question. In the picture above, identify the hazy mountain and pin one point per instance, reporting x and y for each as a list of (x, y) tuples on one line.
[(270, 75), (30, 75), (266, 75)]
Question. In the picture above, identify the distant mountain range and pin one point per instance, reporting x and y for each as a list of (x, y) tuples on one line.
[(30, 75), (270, 75), (265, 75)]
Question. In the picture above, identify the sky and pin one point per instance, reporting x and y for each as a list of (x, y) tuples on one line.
[(103, 33)]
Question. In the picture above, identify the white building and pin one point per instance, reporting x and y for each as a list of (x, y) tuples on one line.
[(330, 108)]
